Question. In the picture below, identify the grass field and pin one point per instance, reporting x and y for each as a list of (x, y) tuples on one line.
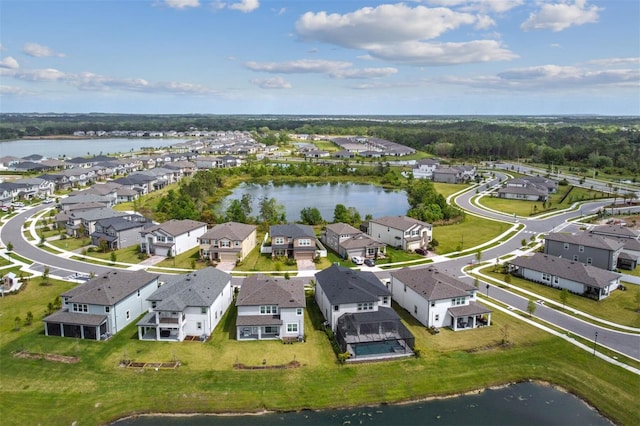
[(471, 232), (447, 189), (96, 390)]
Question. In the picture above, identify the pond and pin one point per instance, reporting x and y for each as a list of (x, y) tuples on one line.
[(53, 148), (366, 198), (520, 404)]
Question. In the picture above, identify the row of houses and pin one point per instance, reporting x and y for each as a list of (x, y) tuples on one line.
[(582, 263), (356, 305)]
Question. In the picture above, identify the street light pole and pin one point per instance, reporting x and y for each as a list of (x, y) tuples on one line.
[(595, 343)]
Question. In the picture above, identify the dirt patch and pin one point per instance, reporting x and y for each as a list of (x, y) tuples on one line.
[(49, 357), (155, 365), (292, 364)]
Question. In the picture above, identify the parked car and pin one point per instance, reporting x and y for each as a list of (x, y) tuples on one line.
[(17, 204), (48, 200), (4, 208), (369, 262), (357, 260), (421, 251)]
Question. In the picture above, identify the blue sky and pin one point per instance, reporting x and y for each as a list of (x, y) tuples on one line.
[(321, 57)]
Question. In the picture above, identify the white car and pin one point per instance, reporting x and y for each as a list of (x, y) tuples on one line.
[(48, 201), (357, 260)]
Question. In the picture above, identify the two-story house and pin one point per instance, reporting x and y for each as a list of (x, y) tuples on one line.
[(171, 238), (230, 241), (270, 308), (293, 240), (424, 168), (102, 306), (187, 306), (348, 241), (118, 232), (357, 307), (438, 300), (82, 223), (401, 232), (591, 249)]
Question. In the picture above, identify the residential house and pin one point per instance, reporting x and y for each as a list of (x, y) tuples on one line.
[(596, 250), (529, 193), (424, 168), (348, 241), (84, 198), (615, 231), (293, 241), (437, 299), (187, 306), (357, 308), (401, 232), (270, 308), (171, 238), (102, 306), (562, 273), (118, 232), (455, 174), (230, 241), (83, 223)]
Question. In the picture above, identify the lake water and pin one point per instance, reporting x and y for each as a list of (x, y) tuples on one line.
[(520, 404), (53, 148), (324, 196)]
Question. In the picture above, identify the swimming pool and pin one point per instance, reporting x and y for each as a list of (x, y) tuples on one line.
[(377, 348)]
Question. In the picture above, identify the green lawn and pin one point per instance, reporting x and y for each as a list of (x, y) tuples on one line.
[(531, 208), (96, 390), (183, 260), (447, 189), (71, 244), (126, 255), (257, 261), (620, 307), (471, 232)]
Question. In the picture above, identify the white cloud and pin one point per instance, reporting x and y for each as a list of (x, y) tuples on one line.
[(554, 78), (182, 4), (560, 16), (39, 51), (364, 73), (418, 53), (272, 83), (245, 6), (299, 66), (401, 33), (12, 91), (10, 63), (88, 81), (612, 62)]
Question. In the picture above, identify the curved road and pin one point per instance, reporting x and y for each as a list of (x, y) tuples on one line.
[(625, 343)]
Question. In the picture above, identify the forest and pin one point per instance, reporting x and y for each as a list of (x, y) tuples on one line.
[(609, 144)]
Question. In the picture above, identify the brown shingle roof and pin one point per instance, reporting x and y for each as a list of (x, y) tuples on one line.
[(432, 284), (109, 288), (262, 290)]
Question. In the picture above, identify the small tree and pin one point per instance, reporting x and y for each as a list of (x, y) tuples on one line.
[(45, 275), (103, 244), (523, 242), (564, 296), (9, 246), (479, 255), (17, 322), (113, 257), (531, 307), (505, 334), (29, 318)]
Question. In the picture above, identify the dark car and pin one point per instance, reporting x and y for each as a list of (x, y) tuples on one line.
[(421, 251), (369, 262)]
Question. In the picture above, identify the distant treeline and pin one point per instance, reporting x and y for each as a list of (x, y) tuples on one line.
[(598, 142)]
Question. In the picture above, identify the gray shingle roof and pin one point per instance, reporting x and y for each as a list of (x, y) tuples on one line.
[(586, 239), (109, 288), (176, 227), (67, 317), (293, 230), (567, 269), (199, 288), (343, 229), (399, 222), (231, 230), (343, 285), (472, 308), (432, 284), (263, 290), (615, 230)]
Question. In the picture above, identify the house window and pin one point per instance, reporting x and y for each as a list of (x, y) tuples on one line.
[(128, 315), (457, 301), (367, 306), (80, 307), (566, 246), (299, 311), (433, 304), (304, 242), (268, 309), (138, 293), (199, 325), (385, 300), (437, 318), (271, 330), (546, 277), (589, 261), (581, 249), (107, 309), (292, 328), (405, 288), (415, 309), (575, 257), (555, 280), (225, 243), (153, 305), (336, 308), (279, 240), (203, 310)]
